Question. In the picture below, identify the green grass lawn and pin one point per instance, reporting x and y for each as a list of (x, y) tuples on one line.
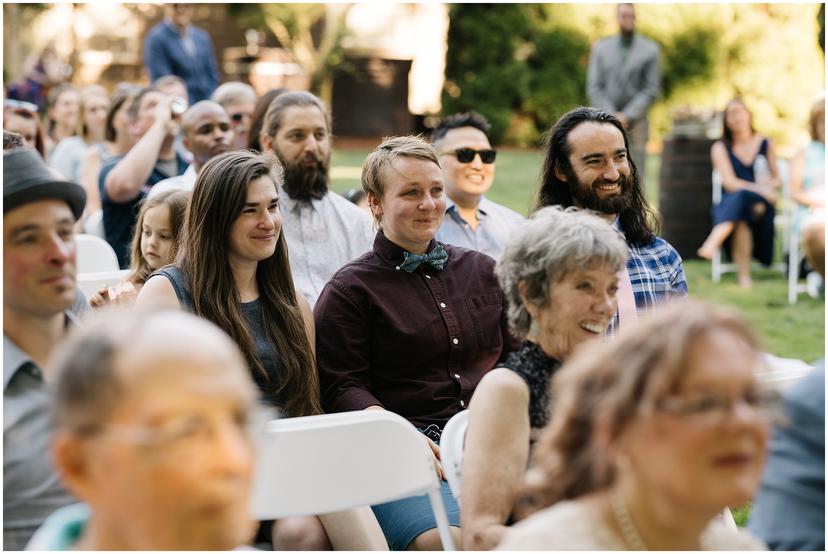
[(796, 331)]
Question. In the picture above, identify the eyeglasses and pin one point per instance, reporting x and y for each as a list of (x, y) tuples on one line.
[(715, 408), (466, 155), (183, 432), (20, 105)]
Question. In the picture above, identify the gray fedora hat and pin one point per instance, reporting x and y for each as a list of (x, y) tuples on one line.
[(26, 178)]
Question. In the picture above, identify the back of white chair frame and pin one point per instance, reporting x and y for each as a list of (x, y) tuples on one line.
[(332, 462), (95, 255), (90, 283), (452, 442)]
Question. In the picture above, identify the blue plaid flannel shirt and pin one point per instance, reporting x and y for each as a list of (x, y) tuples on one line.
[(656, 274)]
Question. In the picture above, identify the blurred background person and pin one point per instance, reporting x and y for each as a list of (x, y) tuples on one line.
[(789, 511), (117, 142), (468, 162), (175, 47), (153, 416), (68, 155), (154, 245), (743, 219), (206, 132), (624, 77), (651, 437), (358, 197), (238, 100), (559, 272), (173, 85), (41, 71), (125, 180), (257, 119), (63, 115), (21, 117)]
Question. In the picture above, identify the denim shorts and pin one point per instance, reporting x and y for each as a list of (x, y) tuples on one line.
[(404, 520)]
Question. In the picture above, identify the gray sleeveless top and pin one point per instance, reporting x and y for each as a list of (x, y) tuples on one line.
[(252, 311)]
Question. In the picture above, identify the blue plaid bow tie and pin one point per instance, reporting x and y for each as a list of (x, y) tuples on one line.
[(436, 258)]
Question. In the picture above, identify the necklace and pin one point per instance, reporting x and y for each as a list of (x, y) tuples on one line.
[(631, 535)]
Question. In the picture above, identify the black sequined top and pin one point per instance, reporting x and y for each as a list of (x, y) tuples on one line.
[(536, 368)]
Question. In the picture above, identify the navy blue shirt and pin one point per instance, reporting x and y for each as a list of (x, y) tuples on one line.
[(166, 54), (119, 217)]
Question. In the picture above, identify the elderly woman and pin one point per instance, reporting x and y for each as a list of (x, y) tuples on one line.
[(652, 436), (412, 325), (559, 273)]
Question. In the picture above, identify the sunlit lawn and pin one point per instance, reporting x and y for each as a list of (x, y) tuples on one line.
[(796, 331)]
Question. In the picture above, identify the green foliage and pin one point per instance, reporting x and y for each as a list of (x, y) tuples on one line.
[(523, 65)]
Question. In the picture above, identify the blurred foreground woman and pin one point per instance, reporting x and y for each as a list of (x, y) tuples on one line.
[(652, 436)]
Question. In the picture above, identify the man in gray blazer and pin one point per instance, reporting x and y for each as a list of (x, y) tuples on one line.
[(624, 77)]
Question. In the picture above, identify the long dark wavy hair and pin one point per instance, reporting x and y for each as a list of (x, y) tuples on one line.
[(217, 200), (638, 221)]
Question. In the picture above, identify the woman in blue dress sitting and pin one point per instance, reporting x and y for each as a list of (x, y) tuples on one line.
[(743, 220)]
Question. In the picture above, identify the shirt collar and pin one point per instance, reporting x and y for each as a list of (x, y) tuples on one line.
[(482, 205), (174, 28), (391, 252), (14, 358), (294, 205)]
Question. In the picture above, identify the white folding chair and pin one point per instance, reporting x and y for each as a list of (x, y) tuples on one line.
[(95, 255), (90, 283), (452, 442), (333, 462), (783, 372), (93, 225)]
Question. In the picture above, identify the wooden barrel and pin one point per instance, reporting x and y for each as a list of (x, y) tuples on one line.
[(685, 193)]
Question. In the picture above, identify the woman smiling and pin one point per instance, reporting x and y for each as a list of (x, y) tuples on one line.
[(411, 326)]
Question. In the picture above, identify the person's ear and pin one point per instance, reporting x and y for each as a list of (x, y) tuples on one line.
[(375, 205), (266, 142), (71, 456), (559, 173), (530, 306)]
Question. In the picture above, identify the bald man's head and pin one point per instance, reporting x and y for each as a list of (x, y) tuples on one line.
[(207, 131)]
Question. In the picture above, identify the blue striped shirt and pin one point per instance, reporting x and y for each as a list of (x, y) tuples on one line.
[(656, 274)]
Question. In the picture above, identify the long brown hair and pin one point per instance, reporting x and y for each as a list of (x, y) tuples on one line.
[(217, 200), (608, 386), (176, 201)]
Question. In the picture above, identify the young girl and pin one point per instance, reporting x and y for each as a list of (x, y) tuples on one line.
[(154, 245)]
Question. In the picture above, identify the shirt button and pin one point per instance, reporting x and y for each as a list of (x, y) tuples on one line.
[(455, 341), (456, 375), (428, 276), (397, 268), (442, 304), (462, 404)]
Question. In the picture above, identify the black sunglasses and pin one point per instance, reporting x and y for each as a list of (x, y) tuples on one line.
[(466, 155)]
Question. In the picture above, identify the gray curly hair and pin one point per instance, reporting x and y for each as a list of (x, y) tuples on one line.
[(553, 242)]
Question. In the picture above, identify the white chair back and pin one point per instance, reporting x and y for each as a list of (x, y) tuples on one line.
[(332, 462), (90, 283), (95, 255), (93, 225), (452, 442)]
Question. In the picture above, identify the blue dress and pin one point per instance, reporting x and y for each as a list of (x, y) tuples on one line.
[(738, 206)]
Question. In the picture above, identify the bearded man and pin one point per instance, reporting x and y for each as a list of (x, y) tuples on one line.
[(324, 231), (588, 165)]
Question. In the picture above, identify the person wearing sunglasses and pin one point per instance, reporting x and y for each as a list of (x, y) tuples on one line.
[(238, 100), (468, 162), (21, 117), (651, 437)]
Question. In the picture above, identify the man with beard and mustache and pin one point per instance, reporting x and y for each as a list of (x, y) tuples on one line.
[(324, 231), (207, 133), (588, 165)]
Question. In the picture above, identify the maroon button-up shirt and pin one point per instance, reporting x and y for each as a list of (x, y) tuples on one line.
[(414, 343)]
